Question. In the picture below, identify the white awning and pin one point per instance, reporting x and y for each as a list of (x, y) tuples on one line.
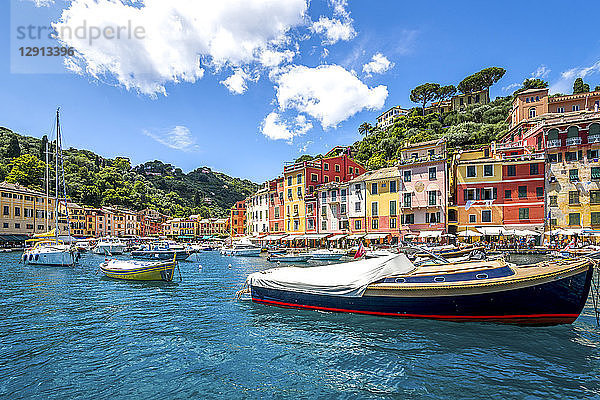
[(336, 238), (293, 237), (273, 237), (356, 236), (427, 234), (469, 234), (372, 236), (315, 236), (492, 230), (521, 232)]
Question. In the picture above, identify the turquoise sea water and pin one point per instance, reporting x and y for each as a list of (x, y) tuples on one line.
[(71, 333)]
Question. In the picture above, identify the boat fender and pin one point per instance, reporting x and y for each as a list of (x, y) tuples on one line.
[(199, 267), (229, 265)]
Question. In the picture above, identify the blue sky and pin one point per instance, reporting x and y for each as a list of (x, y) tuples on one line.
[(264, 83)]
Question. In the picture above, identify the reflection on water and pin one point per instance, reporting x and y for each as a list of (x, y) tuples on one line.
[(70, 333)]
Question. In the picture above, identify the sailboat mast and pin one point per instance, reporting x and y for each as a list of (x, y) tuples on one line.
[(56, 174), (47, 189)]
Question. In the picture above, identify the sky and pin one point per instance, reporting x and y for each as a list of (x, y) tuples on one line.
[(243, 86)]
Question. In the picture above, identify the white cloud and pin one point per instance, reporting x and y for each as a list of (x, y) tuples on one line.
[(273, 58), (565, 82), (541, 72), (179, 38), (304, 148), (510, 87), (275, 128), (334, 30), (328, 93), (378, 65), (178, 138), (236, 83), (41, 3)]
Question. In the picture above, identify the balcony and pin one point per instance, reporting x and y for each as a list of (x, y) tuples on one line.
[(553, 143), (594, 139), (573, 141)]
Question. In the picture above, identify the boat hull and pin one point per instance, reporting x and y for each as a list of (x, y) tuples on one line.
[(112, 249), (58, 257), (558, 301), (276, 258), (155, 272), (241, 253), (161, 255), (327, 257)]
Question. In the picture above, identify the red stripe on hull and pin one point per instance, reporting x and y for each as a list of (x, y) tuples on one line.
[(511, 319)]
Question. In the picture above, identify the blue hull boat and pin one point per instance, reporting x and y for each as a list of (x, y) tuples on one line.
[(547, 293)]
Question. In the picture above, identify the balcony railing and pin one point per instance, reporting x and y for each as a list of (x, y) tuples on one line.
[(553, 143), (572, 141), (594, 139)]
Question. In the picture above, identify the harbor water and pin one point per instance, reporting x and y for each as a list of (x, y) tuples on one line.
[(70, 333)]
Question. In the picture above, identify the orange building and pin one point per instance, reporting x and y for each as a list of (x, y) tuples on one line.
[(533, 103), (238, 219), (276, 203)]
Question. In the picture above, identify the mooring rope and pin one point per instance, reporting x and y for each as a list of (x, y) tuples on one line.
[(596, 294)]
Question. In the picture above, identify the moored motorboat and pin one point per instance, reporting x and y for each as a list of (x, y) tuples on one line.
[(242, 249), (291, 257), (139, 270), (547, 293), (327, 255), (161, 250), (109, 246)]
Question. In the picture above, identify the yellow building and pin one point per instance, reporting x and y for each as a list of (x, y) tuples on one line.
[(24, 211), (382, 201), (478, 180), (294, 192)]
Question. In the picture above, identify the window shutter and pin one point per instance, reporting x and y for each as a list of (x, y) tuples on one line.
[(477, 191), (495, 195), (465, 192), (589, 154), (402, 219), (427, 218), (559, 157)]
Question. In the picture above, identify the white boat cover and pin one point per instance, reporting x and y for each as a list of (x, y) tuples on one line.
[(346, 279)]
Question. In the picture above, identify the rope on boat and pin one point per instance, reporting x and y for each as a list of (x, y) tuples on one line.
[(244, 290), (596, 294)]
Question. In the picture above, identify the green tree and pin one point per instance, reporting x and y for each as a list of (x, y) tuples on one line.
[(597, 88), (424, 94), (364, 128), (580, 87), (43, 145), (26, 170), (14, 149), (532, 83), (481, 80), (444, 93)]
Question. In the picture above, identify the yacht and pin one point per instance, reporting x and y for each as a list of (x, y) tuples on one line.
[(47, 248), (109, 246)]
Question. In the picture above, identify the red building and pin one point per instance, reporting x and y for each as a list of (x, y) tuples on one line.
[(522, 189), (276, 202), (302, 178), (238, 219), (151, 222)]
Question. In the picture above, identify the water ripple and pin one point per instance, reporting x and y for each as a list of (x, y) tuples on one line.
[(71, 333)]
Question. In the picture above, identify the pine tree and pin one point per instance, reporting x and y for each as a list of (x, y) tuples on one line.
[(14, 149)]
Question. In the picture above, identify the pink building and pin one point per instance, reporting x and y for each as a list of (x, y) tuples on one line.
[(423, 189)]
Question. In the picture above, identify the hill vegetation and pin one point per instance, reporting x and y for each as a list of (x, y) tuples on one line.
[(96, 181)]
